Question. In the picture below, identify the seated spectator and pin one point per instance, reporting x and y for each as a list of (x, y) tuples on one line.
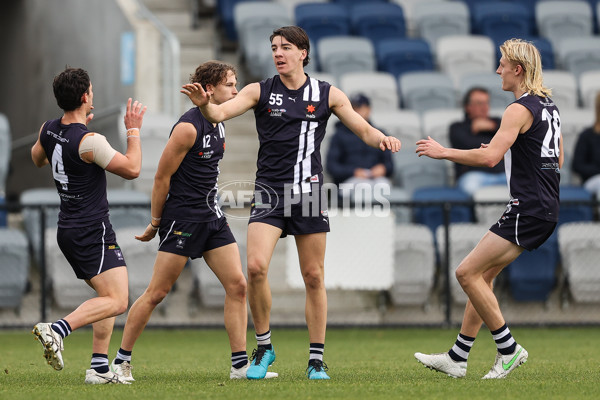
[(478, 128), (350, 161), (586, 159)]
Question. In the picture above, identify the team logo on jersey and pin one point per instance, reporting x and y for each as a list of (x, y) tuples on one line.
[(180, 243), (276, 112), (310, 109), (119, 254), (205, 155)]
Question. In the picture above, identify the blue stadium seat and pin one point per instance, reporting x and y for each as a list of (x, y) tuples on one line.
[(433, 215), (3, 213), (225, 11), (378, 20), (543, 45), (349, 3), (323, 19), (532, 275), (398, 56), (501, 19), (575, 212)]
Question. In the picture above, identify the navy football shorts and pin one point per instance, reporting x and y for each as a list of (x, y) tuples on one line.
[(191, 239), (90, 250), (299, 214), (523, 230)]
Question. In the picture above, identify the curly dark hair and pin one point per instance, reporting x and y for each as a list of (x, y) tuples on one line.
[(69, 86), (296, 36), (211, 72)]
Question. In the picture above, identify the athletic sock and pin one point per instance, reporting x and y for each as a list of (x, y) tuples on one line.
[(462, 347), (122, 356), (316, 351), (61, 327), (239, 359), (505, 342), (100, 363), (264, 340)]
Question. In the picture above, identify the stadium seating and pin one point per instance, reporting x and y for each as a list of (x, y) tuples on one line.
[(577, 210), (350, 3), (433, 215), (3, 213), (414, 265), (5, 145), (47, 197), (339, 55), (532, 276), (557, 20), (140, 257), (225, 10), (399, 55), (465, 54), (379, 87), (501, 19), (412, 172), (320, 20), (436, 123), (573, 121), (564, 88), (133, 213), (589, 86), (434, 19), (543, 45), (402, 124), (579, 244), (426, 91), (255, 21), (463, 238), (377, 20), (491, 81), (403, 213), (579, 54), (14, 267), (488, 214)]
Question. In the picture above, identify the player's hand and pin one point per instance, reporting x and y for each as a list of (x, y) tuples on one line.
[(148, 234), (390, 143), (134, 114), (430, 148), (196, 93)]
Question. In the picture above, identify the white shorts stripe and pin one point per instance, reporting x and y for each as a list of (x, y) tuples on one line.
[(167, 235), (517, 230), (102, 258)]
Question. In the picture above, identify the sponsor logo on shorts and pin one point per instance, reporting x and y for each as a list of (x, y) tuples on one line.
[(184, 234), (180, 242), (119, 254)]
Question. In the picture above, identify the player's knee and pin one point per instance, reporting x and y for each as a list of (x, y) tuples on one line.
[(313, 278), (257, 270), (121, 305), (155, 297), (237, 288), (462, 275)]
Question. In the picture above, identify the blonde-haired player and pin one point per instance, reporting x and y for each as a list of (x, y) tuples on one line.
[(529, 139)]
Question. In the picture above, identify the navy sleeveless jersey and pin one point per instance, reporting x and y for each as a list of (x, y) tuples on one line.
[(291, 126), (81, 186), (192, 195), (531, 163)]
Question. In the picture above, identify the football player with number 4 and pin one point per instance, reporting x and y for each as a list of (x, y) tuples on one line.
[(529, 139), (79, 160)]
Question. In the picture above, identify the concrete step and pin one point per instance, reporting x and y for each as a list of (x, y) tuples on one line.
[(156, 5), (174, 19)]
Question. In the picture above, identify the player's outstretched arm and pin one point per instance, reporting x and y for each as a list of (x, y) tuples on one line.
[(181, 141), (341, 107), (38, 155), (246, 99)]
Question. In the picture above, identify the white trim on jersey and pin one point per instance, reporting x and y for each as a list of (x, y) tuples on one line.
[(306, 93), (508, 167), (102, 258), (221, 130), (316, 93)]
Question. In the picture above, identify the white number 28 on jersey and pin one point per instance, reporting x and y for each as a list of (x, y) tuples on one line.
[(58, 168), (550, 146)]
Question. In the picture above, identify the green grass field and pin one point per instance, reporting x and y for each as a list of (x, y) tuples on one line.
[(364, 363)]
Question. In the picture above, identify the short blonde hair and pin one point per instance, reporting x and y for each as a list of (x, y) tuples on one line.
[(525, 54)]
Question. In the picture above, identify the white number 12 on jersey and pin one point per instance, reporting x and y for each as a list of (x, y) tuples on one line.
[(552, 135)]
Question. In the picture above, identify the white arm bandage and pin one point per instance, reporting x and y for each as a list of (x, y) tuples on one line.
[(98, 145)]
